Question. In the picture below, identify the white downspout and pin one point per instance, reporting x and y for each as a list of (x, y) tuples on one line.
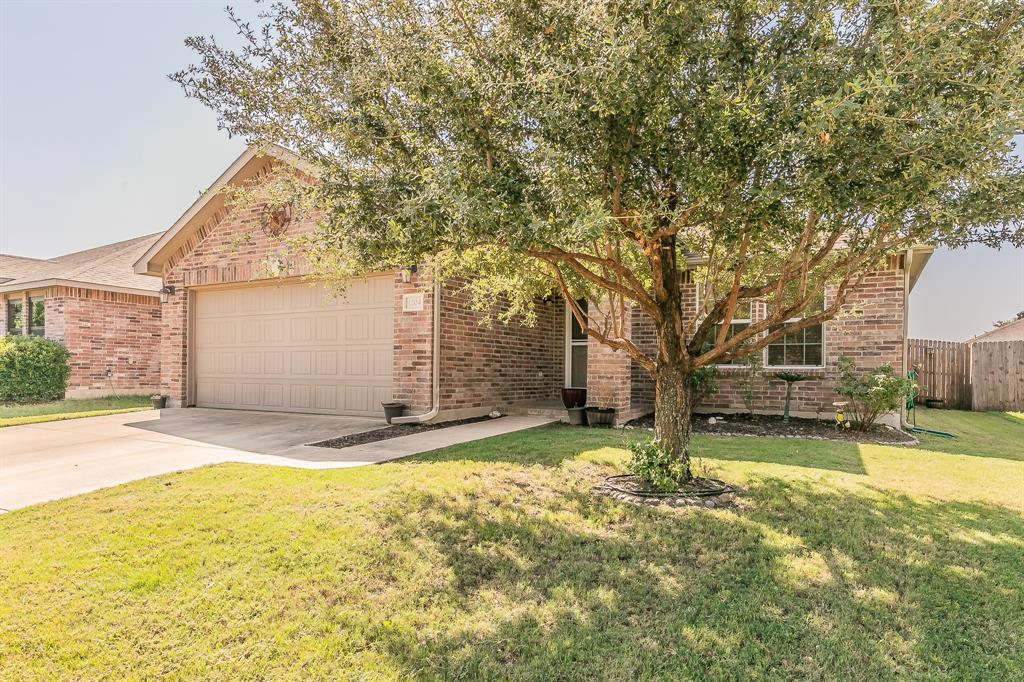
[(908, 261), (435, 368)]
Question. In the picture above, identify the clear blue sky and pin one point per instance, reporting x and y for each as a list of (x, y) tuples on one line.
[(97, 145)]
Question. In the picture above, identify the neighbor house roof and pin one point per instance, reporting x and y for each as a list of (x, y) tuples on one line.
[(1011, 331), (244, 168), (107, 267)]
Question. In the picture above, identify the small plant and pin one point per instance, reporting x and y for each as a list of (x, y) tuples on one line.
[(749, 381), (653, 463), (32, 369), (871, 394), (702, 384)]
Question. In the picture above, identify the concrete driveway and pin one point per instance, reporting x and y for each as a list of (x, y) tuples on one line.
[(40, 462)]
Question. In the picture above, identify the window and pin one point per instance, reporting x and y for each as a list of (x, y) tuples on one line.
[(740, 320), (14, 313), (804, 348), (576, 356), (37, 317)]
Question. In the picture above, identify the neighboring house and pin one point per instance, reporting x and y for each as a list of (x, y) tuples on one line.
[(1011, 331), (237, 336), (107, 316)]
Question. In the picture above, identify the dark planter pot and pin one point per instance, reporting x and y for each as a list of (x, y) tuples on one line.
[(159, 403), (600, 416), (577, 416), (935, 403), (574, 397), (392, 410)]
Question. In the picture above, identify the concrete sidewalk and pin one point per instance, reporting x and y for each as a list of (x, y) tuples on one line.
[(41, 462)]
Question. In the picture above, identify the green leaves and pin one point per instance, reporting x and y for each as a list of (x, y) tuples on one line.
[(513, 126)]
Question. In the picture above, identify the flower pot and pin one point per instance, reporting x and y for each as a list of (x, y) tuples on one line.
[(392, 410), (574, 397), (577, 416), (159, 401), (600, 416), (935, 403)]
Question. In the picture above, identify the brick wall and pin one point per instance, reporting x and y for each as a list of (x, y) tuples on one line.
[(483, 367), (869, 330), (104, 331)]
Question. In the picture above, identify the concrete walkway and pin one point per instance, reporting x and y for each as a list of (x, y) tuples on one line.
[(41, 462)]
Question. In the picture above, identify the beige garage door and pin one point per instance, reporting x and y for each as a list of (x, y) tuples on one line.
[(295, 348)]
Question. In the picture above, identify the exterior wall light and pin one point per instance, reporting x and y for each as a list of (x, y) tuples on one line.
[(166, 292), (407, 273)]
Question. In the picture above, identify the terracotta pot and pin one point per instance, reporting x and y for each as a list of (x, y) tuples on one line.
[(574, 397)]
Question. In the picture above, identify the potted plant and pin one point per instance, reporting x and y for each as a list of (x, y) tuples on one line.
[(392, 410), (574, 400), (159, 401)]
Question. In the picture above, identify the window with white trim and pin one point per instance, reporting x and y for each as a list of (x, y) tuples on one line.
[(803, 348), (741, 320), (576, 349)]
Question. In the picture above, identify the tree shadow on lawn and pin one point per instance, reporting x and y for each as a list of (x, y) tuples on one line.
[(810, 583), (553, 444)]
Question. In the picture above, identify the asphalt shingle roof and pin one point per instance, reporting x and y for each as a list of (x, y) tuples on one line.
[(108, 265)]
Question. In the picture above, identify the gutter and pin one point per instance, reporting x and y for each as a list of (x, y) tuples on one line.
[(435, 368)]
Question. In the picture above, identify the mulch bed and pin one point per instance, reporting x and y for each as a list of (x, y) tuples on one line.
[(772, 425), (708, 493), (393, 431)]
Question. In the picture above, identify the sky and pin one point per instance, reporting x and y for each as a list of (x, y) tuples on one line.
[(97, 145)]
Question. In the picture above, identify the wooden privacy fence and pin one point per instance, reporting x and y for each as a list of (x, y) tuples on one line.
[(943, 371), (997, 375)]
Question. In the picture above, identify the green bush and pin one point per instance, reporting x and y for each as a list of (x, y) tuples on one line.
[(702, 384), (32, 369), (655, 464), (872, 393)]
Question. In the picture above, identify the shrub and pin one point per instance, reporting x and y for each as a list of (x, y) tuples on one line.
[(32, 369), (749, 381), (872, 393), (655, 464), (702, 384)]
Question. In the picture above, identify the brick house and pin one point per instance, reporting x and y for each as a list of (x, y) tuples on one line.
[(91, 301), (242, 329)]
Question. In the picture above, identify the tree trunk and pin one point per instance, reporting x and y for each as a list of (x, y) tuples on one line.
[(672, 407)]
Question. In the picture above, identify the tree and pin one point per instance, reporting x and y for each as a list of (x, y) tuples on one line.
[(609, 149), (1003, 323)]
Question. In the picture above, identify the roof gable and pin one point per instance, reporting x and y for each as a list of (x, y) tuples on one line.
[(251, 162)]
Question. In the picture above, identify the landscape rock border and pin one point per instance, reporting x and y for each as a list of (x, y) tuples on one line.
[(723, 500)]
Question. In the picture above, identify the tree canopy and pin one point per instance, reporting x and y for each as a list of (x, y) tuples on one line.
[(601, 147)]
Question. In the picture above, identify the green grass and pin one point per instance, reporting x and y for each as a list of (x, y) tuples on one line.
[(493, 560), (982, 434), (15, 415)]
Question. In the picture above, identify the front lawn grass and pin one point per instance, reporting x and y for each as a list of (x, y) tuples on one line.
[(493, 560), (982, 434), (75, 408)]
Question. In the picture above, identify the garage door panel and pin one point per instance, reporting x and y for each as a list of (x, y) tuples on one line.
[(296, 348)]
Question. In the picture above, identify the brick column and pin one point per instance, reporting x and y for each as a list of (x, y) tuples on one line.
[(412, 361), (26, 313), (174, 344)]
